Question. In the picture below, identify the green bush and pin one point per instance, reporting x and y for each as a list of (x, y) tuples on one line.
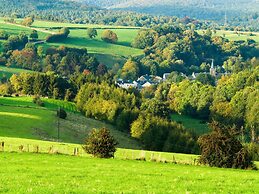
[(61, 113), (37, 100), (100, 143), (222, 149)]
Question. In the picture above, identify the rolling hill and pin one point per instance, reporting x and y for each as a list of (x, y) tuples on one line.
[(200, 9)]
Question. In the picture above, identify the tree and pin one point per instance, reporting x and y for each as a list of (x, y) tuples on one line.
[(91, 32), (61, 113), (34, 35), (221, 148), (28, 21), (109, 36), (130, 70), (206, 79), (100, 143), (145, 38), (101, 70)]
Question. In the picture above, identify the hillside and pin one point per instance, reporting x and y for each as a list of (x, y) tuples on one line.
[(106, 53), (33, 122), (212, 10)]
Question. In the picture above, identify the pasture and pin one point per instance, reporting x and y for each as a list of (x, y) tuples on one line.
[(43, 173)]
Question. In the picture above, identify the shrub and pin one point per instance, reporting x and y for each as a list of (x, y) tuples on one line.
[(61, 113), (100, 143), (37, 100), (62, 35), (222, 149)]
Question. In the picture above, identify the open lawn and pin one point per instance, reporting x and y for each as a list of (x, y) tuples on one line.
[(197, 126), (8, 72), (42, 173)]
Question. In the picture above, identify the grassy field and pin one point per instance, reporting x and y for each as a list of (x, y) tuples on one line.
[(8, 72), (78, 38), (33, 122), (15, 30), (197, 126), (50, 24), (231, 35), (42, 173)]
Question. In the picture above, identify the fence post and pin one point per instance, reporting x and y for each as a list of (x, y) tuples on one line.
[(75, 151), (2, 146)]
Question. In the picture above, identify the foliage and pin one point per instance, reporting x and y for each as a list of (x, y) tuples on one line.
[(235, 102), (37, 100), (100, 143), (28, 21), (191, 98), (223, 149), (61, 113), (130, 70), (34, 35), (91, 33), (62, 35), (109, 36), (145, 38), (159, 134)]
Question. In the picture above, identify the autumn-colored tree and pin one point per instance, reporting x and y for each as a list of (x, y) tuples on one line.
[(109, 36)]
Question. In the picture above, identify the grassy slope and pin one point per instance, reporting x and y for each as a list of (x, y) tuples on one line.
[(78, 38), (12, 29), (23, 173), (8, 72), (108, 54), (195, 125), (30, 121)]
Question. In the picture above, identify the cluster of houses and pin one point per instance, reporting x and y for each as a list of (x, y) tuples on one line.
[(149, 80), (142, 82)]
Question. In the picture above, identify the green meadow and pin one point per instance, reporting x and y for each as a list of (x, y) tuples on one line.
[(43, 173), (8, 72), (15, 30), (105, 52), (34, 122), (231, 35)]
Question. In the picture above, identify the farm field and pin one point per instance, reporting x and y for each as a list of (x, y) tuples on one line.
[(43, 173), (8, 72)]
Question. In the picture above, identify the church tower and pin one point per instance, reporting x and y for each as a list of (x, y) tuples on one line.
[(212, 69)]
